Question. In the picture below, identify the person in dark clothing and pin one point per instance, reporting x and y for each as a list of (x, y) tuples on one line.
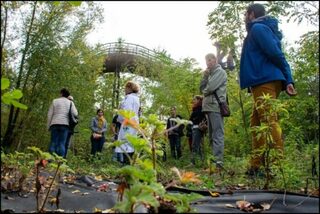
[(175, 134), (196, 117), (115, 127), (189, 136)]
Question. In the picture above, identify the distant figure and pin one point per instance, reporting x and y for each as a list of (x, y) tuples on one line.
[(98, 127), (175, 134), (130, 102), (229, 64), (263, 70), (58, 122)]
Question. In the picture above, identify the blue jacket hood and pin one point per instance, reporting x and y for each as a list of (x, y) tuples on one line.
[(271, 22)]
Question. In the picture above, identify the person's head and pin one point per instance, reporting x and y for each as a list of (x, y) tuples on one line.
[(254, 11), (211, 60), (131, 87), (197, 100), (173, 111), (100, 112), (64, 93)]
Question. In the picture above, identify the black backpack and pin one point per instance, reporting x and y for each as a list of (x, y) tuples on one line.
[(73, 121)]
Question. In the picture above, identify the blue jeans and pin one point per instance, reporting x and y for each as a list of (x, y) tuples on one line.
[(59, 134), (97, 144)]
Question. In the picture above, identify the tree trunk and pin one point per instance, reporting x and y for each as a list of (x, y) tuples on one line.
[(4, 33), (8, 137)]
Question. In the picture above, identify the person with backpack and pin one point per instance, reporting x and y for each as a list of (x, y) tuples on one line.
[(58, 122), (213, 87)]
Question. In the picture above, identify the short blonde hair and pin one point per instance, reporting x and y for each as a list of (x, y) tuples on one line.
[(211, 56), (134, 87)]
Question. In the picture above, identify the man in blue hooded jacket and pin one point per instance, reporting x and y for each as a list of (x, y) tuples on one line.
[(263, 70)]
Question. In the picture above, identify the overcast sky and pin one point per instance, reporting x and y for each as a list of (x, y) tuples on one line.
[(177, 27)]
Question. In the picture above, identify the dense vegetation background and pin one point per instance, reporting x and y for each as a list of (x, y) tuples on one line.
[(46, 49)]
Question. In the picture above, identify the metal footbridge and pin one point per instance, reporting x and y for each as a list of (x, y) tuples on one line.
[(123, 57)]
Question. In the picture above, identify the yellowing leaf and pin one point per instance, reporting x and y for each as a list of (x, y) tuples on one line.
[(189, 177), (75, 191), (214, 194), (97, 210), (98, 178)]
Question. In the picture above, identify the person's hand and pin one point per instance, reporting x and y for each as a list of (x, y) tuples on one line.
[(291, 91), (206, 72)]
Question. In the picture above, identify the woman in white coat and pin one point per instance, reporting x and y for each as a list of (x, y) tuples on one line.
[(130, 102)]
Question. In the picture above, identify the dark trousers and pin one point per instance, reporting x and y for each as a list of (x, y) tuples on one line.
[(67, 143), (197, 144), (97, 144), (126, 160), (175, 146)]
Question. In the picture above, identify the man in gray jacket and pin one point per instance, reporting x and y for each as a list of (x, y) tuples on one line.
[(214, 80)]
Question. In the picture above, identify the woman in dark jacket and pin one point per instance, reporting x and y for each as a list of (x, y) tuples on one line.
[(197, 116)]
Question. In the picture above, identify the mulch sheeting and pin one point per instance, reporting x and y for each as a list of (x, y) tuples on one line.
[(85, 195), (279, 202)]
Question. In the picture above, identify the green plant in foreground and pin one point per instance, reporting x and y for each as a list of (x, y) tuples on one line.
[(57, 163), (139, 185), (270, 108)]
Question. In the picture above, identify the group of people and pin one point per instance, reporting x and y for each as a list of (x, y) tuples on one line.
[(58, 124), (263, 70)]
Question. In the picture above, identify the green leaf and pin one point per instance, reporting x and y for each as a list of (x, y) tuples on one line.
[(5, 83), (6, 100), (75, 3), (19, 105), (56, 3), (16, 94)]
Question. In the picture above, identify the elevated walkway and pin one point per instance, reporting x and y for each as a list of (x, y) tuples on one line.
[(124, 57)]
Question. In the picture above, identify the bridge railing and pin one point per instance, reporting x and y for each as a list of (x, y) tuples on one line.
[(130, 48)]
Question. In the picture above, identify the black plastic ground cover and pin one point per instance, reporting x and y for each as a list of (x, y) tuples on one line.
[(82, 196), (281, 202), (78, 197)]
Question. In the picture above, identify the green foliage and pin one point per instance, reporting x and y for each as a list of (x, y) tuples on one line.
[(11, 97), (141, 175), (73, 3), (182, 201)]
